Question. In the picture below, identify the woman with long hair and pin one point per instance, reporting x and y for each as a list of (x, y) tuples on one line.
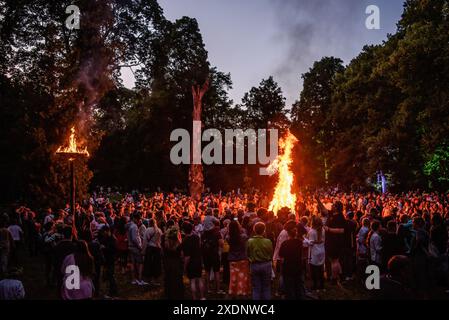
[(121, 237), (317, 253), (172, 262), (152, 249), (239, 280), (80, 262)]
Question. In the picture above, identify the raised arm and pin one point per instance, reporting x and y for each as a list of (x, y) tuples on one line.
[(321, 208)]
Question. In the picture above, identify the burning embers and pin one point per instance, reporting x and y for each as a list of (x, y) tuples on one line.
[(73, 149), (283, 196)]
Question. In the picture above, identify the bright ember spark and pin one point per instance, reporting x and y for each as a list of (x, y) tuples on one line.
[(73, 147), (283, 196)]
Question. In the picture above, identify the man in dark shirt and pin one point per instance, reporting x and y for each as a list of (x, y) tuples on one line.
[(349, 252), (211, 242), (191, 249), (292, 267), (391, 244)]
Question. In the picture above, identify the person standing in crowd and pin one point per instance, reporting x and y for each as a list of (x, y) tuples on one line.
[(260, 253), (315, 241), (11, 287), (211, 242), (49, 239), (405, 232), (153, 254), (135, 249), (6, 245), (209, 220), (95, 249), (395, 285), (335, 228), (439, 241), (292, 266), (282, 237), (109, 252), (362, 249), (225, 252), (49, 217), (82, 259), (191, 249), (350, 247), (63, 248), (391, 244), (419, 255), (173, 268), (239, 281), (121, 237), (17, 236), (375, 244)]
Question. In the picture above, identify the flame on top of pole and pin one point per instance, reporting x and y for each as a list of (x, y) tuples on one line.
[(283, 196), (73, 147)]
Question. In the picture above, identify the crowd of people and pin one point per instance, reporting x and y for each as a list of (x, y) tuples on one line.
[(231, 246)]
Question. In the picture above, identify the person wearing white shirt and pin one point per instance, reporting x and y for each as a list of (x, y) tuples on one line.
[(315, 241), (375, 244), (16, 232)]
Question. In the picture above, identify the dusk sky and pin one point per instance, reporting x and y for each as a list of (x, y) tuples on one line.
[(253, 39)]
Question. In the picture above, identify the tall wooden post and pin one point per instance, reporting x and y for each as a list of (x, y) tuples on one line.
[(72, 198), (196, 179)]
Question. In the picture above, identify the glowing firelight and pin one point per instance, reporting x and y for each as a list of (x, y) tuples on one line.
[(73, 148), (283, 196)]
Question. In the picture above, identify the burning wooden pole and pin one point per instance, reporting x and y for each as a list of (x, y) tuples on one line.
[(71, 153), (196, 179), (72, 193)]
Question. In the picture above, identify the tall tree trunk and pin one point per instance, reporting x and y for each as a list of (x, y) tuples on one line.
[(196, 180)]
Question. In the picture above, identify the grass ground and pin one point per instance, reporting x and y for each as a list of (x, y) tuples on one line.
[(33, 278)]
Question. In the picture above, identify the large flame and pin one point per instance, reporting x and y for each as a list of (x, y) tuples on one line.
[(283, 196), (73, 147)]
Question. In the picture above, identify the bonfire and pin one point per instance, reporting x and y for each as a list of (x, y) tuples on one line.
[(283, 196), (72, 148)]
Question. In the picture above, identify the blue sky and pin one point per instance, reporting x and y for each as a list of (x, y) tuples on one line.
[(253, 39)]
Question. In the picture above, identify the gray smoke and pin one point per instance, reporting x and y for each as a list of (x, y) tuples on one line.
[(312, 29)]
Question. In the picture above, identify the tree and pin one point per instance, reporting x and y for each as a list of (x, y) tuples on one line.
[(265, 106), (310, 120)]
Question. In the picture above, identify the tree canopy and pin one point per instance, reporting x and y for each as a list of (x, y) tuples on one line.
[(387, 110)]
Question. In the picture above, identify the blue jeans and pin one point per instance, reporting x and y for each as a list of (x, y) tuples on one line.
[(261, 280)]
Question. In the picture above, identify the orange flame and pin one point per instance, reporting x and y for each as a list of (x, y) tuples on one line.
[(73, 147), (283, 196)]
